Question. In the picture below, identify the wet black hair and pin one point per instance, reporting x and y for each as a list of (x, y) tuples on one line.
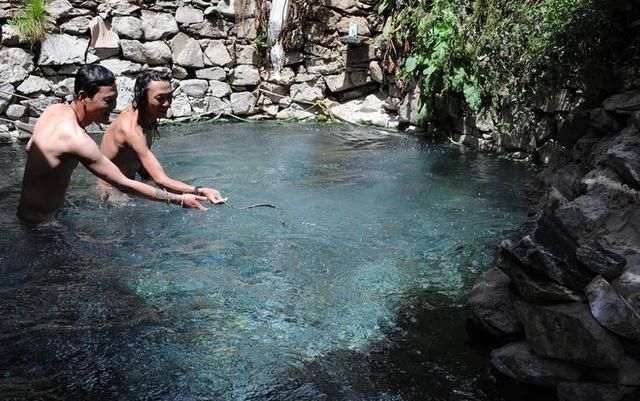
[(90, 77), (142, 86)]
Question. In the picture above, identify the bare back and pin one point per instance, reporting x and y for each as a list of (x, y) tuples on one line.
[(50, 163)]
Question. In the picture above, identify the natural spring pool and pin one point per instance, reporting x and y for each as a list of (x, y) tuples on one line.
[(354, 289)]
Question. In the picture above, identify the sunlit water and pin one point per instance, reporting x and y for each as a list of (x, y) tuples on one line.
[(353, 289)]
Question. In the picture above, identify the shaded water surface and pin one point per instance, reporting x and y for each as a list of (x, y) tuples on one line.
[(353, 289)]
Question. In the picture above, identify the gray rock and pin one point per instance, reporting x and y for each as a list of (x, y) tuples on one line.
[(409, 107), (305, 93), (16, 111), (227, 8), (275, 92), (246, 29), (322, 67), (517, 361), (7, 136), (179, 72), (603, 121), (491, 304), (532, 287), (216, 54), (158, 25), (125, 92), (573, 127), (246, 55), (245, 75), (121, 67), (64, 88), (623, 102), (128, 27), (189, 15), (285, 77), (369, 111), (375, 71), (37, 106), (599, 260), (60, 49), (34, 84), (347, 80), (551, 152), (194, 87), (6, 95), (58, 9), (596, 392), (345, 5), (152, 53), (218, 106), (584, 216), (181, 107), (76, 26), (11, 37), (117, 7), (624, 159), (611, 310), (210, 28), (243, 103), (294, 112), (15, 64), (214, 73), (219, 89), (570, 333), (186, 51)]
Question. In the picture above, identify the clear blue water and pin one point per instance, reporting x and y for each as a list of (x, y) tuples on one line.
[(354, 289)]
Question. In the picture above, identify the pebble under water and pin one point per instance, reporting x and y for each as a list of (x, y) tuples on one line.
[(354, 289)]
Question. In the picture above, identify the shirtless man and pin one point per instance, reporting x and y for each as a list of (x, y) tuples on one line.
[(59, 142), (128, 139)]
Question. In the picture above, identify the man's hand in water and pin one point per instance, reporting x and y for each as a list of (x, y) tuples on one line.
[(213, 195), (193, 201)]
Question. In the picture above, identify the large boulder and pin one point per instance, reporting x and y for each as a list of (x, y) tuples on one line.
[(60, 49), (121, 67), (219, 89), (186, 51), (214, 73), (491, 304), (409, 107), (623, 102), (611, 310), (517, 361), (194, 87), (585, 216), (15, 64), (305, 93), (216, 28), (6, 95), (76, 26), (125, 92), (180, 107), (569, 332), (369, 110), (218, 106), (152, 53)]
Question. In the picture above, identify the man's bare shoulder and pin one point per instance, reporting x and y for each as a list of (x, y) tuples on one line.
[(125, 125)]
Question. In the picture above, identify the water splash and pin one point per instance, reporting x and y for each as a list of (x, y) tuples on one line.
[(277, 22)]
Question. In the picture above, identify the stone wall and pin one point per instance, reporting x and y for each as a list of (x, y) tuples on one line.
[(565, 291), (214, 54)]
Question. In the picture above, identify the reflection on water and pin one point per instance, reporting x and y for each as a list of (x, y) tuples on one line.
[(352, 290)]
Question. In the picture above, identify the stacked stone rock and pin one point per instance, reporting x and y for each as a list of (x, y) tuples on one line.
[(212, 56), (565, 292)]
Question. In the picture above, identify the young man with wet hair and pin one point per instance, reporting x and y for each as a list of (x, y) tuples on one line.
[(59, 142), (127, 142)]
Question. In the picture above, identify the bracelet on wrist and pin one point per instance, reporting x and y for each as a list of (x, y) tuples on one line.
[(196, 190)]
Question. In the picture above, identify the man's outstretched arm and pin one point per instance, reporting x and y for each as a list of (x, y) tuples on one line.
[(157, 174), (103, 168)]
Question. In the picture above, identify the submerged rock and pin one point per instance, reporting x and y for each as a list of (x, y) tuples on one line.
[(491, 303), (517, 361)]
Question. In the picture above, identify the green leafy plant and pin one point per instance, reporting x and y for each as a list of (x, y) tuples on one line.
[(473, 52), (30, 20)]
